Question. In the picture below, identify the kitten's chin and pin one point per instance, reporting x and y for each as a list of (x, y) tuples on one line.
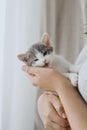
[(46, 65)]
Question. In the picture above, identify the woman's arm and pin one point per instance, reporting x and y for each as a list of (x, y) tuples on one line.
[(75, 107), (50, 80)]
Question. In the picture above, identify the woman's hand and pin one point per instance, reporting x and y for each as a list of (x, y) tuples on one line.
[(45, 78), (52, 113)]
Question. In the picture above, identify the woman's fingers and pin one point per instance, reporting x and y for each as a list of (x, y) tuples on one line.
[(48, 113), (31, 70), (54, 126), (54, 117), (33, 79), (58, 107), (25, 68)]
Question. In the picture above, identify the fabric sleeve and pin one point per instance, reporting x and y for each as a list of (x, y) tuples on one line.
[(82, 81)]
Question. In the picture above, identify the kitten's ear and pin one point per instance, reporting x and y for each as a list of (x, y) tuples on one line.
[(45, 39), (22, 57)]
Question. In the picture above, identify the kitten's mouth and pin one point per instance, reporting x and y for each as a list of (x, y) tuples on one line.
[(46, 65)]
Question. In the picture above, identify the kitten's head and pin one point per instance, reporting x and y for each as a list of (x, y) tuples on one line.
[(39, 54)]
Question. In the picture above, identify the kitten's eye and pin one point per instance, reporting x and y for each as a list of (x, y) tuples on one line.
[(45, 53), (36, 60)]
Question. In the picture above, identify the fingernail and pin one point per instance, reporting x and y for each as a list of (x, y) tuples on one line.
[(64, 115)]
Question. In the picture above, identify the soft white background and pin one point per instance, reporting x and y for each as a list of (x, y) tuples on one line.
[(19, 28)]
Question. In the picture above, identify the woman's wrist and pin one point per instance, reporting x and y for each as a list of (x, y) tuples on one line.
[(61, 83)]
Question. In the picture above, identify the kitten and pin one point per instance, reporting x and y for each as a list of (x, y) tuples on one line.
[(41, 54)]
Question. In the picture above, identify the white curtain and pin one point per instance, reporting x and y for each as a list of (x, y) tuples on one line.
[(19, 28), (84, 15)]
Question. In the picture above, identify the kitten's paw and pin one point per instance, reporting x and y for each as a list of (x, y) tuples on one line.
[(74, 80), (75, 68)]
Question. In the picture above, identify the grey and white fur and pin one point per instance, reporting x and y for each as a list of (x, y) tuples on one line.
[(42, 54)]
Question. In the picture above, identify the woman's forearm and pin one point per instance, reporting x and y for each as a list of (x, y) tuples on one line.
[(75, 107)]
